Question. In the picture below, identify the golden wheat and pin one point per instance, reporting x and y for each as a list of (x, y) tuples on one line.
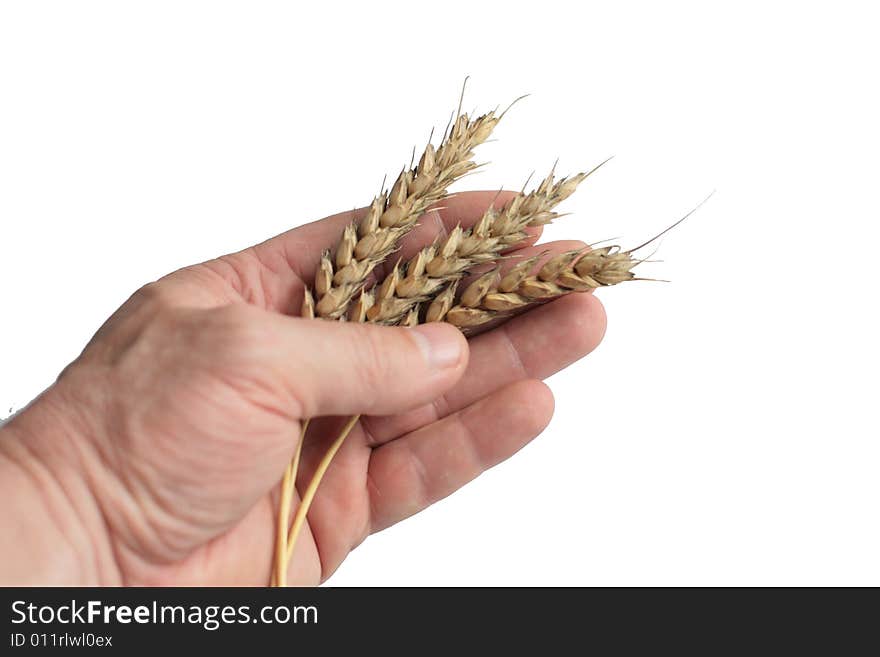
[(424, 289)]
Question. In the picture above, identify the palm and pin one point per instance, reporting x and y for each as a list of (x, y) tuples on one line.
[(390, 467)]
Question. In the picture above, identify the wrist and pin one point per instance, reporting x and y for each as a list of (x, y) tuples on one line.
[(54, 532)]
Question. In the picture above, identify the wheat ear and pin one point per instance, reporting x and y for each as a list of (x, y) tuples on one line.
[(394, 213), (434, 270), (489, 296)]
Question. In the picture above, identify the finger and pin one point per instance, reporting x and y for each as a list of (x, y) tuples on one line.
[(533, 345), (409, 474), (342, 368)]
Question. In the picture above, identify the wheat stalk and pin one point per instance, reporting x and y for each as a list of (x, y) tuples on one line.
[(288, 483), (435, 269)]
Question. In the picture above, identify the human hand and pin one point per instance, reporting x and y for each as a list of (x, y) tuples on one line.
[(155, 457)]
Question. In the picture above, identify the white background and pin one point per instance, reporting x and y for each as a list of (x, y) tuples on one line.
[(726, 430)]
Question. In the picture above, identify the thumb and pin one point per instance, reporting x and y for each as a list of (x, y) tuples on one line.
[(339, 368)]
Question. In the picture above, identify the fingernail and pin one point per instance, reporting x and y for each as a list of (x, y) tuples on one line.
[(441, 346)]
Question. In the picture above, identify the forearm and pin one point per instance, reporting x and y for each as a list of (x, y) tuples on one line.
[(53, 532)]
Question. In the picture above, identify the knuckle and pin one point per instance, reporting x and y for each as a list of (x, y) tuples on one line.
[(155, 296)]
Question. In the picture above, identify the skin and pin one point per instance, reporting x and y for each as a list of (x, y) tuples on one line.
[(155, 457)]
